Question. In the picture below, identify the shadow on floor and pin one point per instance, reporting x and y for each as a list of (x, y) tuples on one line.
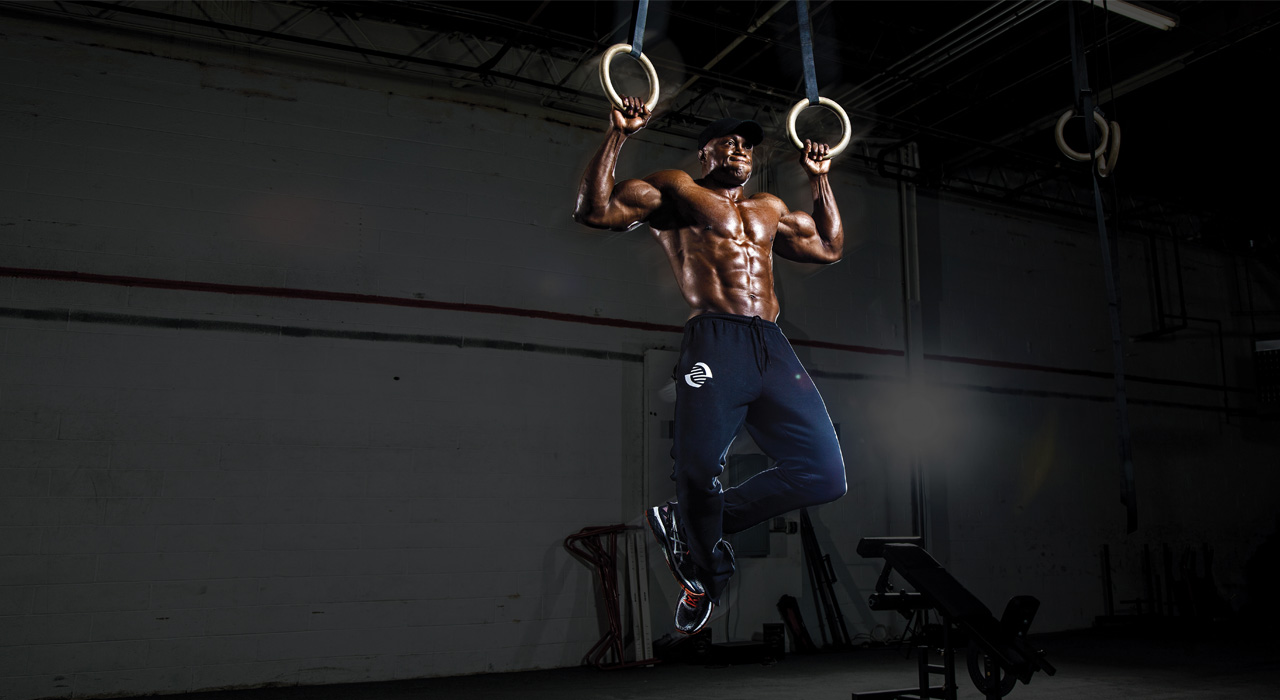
[(1166, 661)]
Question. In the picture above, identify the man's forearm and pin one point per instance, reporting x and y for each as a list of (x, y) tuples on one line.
[(597, 182), (826, 215)]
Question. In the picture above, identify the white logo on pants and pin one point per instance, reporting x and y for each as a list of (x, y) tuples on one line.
[(698, 375)]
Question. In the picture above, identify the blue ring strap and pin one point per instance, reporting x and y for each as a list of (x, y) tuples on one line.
[(806, 52), (637, 35)]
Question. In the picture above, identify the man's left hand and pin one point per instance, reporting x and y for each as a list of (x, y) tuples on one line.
[(814, 158)]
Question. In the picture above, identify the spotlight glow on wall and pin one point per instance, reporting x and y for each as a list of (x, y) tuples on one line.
[(919, 418)]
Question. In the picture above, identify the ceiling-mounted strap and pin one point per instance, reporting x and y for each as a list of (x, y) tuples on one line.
[(806, 52), (637, 34), (1085, 104)]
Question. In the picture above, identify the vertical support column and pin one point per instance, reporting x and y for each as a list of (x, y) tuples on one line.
[(928, 486), (909, 229), (909, 245)]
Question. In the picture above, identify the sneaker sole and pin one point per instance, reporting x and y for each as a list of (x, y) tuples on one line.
[(701, 624)]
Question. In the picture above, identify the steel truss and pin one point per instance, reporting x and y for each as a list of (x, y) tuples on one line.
[(558, 71)]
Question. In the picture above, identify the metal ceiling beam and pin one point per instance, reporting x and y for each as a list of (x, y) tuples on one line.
[(1140, 79), (760, 22), (350, 47), (547, 71), (1015, 84), (917, 65)]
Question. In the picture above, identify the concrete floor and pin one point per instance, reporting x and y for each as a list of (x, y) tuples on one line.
[(1172, 663)]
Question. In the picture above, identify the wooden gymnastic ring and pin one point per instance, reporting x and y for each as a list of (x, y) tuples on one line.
[(846, 131), (1107, 164), (1072, 153), (607, 83)]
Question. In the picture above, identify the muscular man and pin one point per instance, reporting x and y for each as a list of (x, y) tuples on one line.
[(735, 364)]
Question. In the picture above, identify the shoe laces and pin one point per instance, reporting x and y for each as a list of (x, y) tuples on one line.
[(691, 598), (677, 540), (681, 550)]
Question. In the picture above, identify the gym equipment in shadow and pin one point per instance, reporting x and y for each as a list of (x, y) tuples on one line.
[(999, 652)]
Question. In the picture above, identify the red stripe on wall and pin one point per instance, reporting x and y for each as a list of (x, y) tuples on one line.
[(321, 295), (1001, 364)]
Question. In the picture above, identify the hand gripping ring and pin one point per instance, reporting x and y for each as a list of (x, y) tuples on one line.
[(846, 131), (607, 83), (1072, 153)]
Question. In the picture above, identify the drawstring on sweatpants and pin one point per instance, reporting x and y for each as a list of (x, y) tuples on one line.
[(760, 347)]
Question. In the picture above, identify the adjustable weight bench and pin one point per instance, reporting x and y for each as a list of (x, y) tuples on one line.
[(999, 653)]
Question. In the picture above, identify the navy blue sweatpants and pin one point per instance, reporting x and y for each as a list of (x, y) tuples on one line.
[(735, 370)]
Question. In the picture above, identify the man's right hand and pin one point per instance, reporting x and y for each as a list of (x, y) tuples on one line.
[(632, 117)]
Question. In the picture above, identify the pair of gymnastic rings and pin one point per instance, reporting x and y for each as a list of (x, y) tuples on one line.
[(607, 83), (1106, 154), (1108, 149)]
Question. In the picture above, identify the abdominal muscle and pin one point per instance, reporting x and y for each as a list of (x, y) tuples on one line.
[(720, 273)]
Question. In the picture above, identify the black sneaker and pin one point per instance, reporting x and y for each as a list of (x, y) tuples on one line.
[(692, 612), (662, 522)]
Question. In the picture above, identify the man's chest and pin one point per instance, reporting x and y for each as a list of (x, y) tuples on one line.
[(714, 216)]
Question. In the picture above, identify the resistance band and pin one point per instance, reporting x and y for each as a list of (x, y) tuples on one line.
[(1085, 104)]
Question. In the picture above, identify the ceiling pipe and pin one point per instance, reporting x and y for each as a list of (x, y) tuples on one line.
[(750, 33), (1024, 13), (769, 13), (1016, 84), (750, 91), (1128, 85), (951, 58), (1138, 11), (901, 73), (903, 63)]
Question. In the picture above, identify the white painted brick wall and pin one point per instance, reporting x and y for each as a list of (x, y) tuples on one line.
[(187, 509), (184, 508), (1033, 482)]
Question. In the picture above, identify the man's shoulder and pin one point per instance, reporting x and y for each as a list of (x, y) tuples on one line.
[(769, 200), (669, 178)]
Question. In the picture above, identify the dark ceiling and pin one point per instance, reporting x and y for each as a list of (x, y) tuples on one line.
[(977, 86)]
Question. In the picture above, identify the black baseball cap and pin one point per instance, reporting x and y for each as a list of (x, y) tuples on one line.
[(752, 131)]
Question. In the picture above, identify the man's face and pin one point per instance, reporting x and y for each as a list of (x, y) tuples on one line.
[(727, 159)]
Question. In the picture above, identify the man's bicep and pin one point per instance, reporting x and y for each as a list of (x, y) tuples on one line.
[(795, 227), (797, 237), (633, 201)]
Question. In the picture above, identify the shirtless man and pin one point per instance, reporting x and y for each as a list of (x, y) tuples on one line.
[(735, 364)]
